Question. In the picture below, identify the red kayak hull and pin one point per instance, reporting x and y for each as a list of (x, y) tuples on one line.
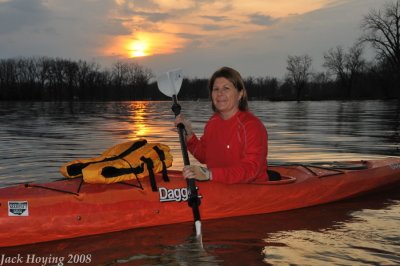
[(30, 214)]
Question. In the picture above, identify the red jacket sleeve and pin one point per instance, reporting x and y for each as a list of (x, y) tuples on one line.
[(197, 148)]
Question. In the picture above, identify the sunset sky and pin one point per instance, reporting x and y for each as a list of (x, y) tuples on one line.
[(253, 36)]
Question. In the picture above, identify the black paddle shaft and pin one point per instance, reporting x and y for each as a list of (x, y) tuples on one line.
[(193, 200)]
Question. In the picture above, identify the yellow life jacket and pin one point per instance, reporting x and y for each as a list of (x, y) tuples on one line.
[(122, 162)]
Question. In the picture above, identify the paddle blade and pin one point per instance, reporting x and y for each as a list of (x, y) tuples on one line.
[(176, 77), (199, 234), (170, 82)]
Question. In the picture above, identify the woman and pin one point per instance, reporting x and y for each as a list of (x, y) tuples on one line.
[(234, 143)]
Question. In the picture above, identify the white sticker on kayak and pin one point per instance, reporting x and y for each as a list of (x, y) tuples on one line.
[(18, 208), (395, 166), (173, 194)]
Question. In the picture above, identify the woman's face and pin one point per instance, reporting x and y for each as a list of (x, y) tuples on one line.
[(225, 97)]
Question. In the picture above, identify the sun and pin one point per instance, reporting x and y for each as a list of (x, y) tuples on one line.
[(143, 44), (138, 48)]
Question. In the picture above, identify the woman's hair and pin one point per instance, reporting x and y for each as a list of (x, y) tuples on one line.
[(233, 76)]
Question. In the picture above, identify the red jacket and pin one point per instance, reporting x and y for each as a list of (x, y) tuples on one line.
[(235, 150)]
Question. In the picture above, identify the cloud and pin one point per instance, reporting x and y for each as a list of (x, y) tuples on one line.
[(262, 20), (18, 14), (216, 18), (175, 5), (154, 16), (214, 27), (56, 28)]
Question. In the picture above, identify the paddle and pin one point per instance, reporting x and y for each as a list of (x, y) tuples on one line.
[(169, 84)]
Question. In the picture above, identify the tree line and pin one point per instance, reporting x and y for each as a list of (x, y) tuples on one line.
[(56, 79), (347, 74)]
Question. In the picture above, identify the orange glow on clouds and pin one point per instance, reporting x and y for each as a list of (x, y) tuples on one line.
[(164, 26)]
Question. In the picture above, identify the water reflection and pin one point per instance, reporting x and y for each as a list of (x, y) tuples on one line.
[(368, 236), (333, 130), (36, 138)]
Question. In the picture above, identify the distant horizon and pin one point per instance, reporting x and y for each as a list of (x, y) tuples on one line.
[(57, 79)]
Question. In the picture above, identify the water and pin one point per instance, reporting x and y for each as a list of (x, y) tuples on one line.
[(37, 138)]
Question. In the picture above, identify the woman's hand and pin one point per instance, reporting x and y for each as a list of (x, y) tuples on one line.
[(180, 119), (197, 172)]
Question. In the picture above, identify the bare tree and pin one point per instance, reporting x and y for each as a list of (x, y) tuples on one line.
[(139, 75), (354, 60), (8, 77), (86, 78), (119, 72), (298, 68), (345, 65), (131, 78), (382, 29)]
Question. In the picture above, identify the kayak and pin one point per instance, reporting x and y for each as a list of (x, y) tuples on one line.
[(32, 213)]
